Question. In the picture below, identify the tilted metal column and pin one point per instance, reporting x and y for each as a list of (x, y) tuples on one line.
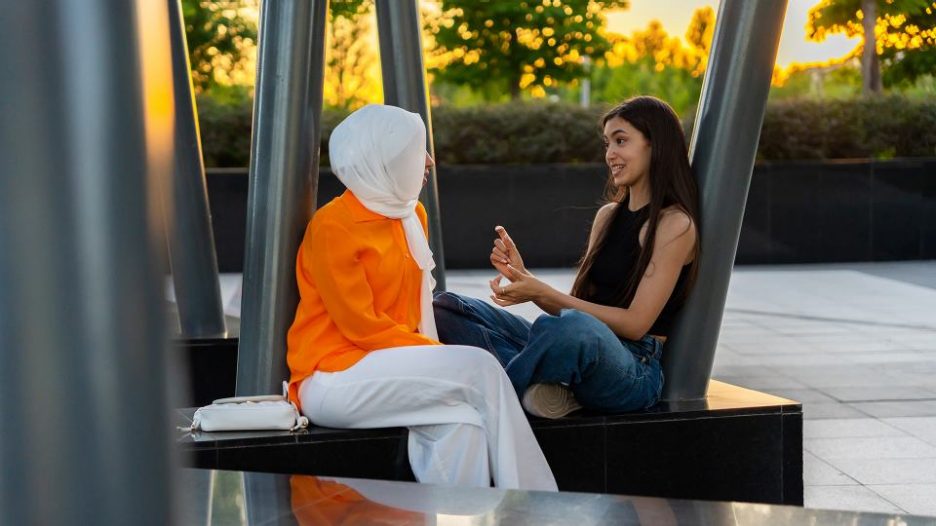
[(404, 84), (191, 241), (86, 118), (284, 157), (724, 142)]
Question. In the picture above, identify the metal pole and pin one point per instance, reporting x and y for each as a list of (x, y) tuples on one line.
[(191, 242), (283, 180), (404, 84), (585, 95), (724, 141), (85, 140), (266, 496)]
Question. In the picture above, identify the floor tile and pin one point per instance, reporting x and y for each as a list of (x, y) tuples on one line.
[(805, 396), (897, 409), (861, 347), (849, 427), (923, 428), (737, 371), (820, 410), (890, 357), (879, 393), (809, 358), (770, 347), (854, 498), (869, 447), (817, 472), (916, 499), (888, 470)]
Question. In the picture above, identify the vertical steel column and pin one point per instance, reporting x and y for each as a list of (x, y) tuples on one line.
[(191, 241), (86, 116), (724, 141), (404, 83), (284, 156), (266, 496)]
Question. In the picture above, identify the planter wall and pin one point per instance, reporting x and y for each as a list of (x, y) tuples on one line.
[(797, 212), (840, 211)]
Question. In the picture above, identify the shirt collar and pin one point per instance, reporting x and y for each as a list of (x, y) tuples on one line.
[(359, 213)]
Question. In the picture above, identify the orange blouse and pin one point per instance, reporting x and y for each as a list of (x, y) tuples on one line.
[(359, 290)]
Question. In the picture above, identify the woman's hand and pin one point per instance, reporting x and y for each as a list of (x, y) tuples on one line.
[(505, 253), (521, 288)]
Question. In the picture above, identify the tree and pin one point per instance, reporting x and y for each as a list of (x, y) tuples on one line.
[(909, 46), (881, 23), (650, 61), (219, 35), (508, 46), (699, 36), (350, 59)]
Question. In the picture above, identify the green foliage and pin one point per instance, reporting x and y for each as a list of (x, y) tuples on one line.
[(650, 61), (841, 16), (910, 67), (347, 8), (349, 56), (216, 30), (907, 44), (841, 129), (904, 66), (842, 82), (502, 47), (517, 133), (677, 86), (532, 133), (225, 130)]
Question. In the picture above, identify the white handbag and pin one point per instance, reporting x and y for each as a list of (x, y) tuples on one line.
[(249, 413)]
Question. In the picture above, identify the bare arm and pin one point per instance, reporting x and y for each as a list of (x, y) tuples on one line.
[(505, 252), (676, 237)]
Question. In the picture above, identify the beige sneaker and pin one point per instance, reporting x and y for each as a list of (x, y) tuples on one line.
[(549, 400)]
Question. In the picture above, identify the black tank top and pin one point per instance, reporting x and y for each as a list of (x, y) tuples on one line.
[(619, 254)]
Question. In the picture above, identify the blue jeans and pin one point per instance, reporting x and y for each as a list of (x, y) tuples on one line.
[(605, 372)]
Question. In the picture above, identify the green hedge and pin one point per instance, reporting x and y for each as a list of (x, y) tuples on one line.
[(844, 129), (547, 133)]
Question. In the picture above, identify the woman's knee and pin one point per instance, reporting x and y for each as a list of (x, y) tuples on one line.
[(446, 319), (448, 301), (450, 316)]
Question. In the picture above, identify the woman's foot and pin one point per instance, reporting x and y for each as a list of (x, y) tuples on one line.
[(549, 400)]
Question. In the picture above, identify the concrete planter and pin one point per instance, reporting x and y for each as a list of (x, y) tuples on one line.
[(797, 212)]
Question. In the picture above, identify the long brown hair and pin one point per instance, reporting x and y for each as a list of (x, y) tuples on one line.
[(672, 183)]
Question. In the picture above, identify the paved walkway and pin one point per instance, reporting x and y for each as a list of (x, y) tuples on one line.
[(855, 343)]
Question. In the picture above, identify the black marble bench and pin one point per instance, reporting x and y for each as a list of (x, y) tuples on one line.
[(737, 445)]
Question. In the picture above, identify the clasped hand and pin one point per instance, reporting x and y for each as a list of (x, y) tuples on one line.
[(521, 286)]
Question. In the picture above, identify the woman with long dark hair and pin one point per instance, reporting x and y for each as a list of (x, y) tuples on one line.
[(600, 345)]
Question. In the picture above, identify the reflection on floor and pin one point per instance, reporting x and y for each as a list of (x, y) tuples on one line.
[(220, 497)]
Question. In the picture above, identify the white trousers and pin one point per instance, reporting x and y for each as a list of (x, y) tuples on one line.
[(465, 422)]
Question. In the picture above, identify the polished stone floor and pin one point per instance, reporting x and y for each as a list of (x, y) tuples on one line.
[(230, 497), (855, 343)]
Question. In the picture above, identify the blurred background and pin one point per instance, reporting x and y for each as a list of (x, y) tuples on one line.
[(501, 70)]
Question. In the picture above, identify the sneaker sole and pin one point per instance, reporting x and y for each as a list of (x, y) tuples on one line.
[(549, 401)]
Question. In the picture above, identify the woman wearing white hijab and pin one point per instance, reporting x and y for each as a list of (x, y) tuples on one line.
[(363, 350)]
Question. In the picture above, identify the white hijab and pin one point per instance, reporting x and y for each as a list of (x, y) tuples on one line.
[(379, 153)]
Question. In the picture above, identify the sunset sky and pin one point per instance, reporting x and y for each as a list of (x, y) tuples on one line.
[(675, 16)]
